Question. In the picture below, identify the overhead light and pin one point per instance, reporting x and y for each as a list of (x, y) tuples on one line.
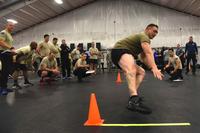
[(12, 21), (59, 1)]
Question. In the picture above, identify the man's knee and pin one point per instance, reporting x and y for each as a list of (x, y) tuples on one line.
[(44, 73), (56, 73), (130, 70), (141, 72)]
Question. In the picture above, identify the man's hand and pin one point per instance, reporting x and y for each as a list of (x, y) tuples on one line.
[(164, 68), (55, 71), (13, 51), (157, 74)]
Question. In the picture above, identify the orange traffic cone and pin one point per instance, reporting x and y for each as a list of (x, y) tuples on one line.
[(118, 78), (94, 118)]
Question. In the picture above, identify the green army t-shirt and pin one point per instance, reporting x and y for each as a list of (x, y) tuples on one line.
[(80, 62), (28, 53), (93, 50), (51, 64), (133, 43), (7, 38)]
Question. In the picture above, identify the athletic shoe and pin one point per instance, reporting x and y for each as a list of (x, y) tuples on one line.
[(28, 84), (177, 80), (64, 78), (135, 104), (3, 92), (10, 76), (16, 86), (69, 77), (9, 90)]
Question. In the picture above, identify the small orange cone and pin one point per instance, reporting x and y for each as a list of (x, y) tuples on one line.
[(94, 118), (118, 78)]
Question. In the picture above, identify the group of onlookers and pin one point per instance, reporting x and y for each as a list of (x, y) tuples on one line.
[(173, 61)]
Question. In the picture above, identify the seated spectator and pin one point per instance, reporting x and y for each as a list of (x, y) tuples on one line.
[(48, 67), (20, 63), (174, 66), (81, 68)]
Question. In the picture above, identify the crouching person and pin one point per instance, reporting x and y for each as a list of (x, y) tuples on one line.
[(174, 66), (20, 64), (48, 68), (81, 68)]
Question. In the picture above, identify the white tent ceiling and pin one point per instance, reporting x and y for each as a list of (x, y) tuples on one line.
[(31, 12), (187, 6)]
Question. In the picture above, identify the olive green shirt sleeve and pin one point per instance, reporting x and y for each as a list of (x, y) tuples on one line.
[(144, 38), (2, 36)]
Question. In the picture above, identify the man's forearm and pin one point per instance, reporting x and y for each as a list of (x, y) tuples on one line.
[(166, 66), (47, 69), (185, 49), (150, 61), (5, 45)]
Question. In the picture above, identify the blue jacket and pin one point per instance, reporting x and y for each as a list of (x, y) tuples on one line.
[(191, 48)]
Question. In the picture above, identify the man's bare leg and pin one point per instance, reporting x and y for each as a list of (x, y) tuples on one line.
[(139, 76), (134, 75), (15, 78), (127, 64)]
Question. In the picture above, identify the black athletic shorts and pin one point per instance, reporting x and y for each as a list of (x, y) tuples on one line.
[(117, 53), (49, 74), (22, 67), (94, 61)]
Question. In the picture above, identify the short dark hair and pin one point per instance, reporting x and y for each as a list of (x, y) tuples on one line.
[(83, 54), (46, 35), (151, 25), (79, 46), (33, 45), (55, 38), (171, 49)]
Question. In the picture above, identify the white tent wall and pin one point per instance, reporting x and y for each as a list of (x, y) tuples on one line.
[(107, 21)]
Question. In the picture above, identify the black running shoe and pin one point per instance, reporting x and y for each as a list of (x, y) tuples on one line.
[(16, 86), (135, 104), (28, 84)]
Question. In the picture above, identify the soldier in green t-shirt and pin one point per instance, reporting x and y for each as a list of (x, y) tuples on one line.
[(125, 53), (6, 52), (48, 67), (24, 54), (94, 53)]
